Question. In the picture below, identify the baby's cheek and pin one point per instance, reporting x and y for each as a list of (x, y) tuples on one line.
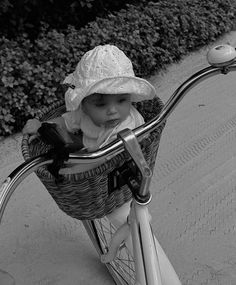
[(125, 112)]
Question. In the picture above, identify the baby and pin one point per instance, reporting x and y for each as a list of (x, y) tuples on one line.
[(98, 103)]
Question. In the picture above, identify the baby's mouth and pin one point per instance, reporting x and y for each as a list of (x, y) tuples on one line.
[(112, 123)]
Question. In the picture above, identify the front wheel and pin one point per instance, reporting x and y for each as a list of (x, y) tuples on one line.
[(121, 268)]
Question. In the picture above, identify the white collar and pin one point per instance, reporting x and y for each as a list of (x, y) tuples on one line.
[(95, 137)]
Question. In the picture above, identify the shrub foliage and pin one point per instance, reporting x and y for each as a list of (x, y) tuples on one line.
[(152, 34), (17, 16)]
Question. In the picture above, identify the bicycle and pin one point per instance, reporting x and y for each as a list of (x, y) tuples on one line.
[(127, 267)]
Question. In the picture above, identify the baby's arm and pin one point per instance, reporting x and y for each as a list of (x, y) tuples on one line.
[(60, 134), (31, 127)]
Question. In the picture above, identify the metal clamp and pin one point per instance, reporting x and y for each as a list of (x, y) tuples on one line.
[(132, 146)]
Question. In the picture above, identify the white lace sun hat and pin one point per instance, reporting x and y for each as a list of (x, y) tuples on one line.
[(106, 70)]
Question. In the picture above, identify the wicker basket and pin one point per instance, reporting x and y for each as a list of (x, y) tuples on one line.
[(86, 195)]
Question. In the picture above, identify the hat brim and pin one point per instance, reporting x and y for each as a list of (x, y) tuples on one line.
[(139, 88)]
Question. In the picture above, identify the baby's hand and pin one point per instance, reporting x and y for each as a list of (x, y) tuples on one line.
[(31, 128)]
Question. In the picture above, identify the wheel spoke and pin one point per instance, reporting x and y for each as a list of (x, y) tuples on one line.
[(123, 265)]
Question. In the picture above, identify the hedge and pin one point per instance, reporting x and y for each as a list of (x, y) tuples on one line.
[(18, 16), (152, 34)]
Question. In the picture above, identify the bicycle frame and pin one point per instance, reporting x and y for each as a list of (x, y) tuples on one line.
[(147, 267), (145, 248), (152, 266)]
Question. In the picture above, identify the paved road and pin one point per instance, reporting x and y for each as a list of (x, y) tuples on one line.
[(193, 204), (196, 181)]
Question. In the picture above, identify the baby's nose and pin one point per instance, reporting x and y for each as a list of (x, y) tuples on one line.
[(112, 110)]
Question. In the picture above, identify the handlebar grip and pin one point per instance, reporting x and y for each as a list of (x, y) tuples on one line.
[(221, 55)]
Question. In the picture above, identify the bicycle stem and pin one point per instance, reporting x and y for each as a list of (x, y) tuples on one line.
[(142, 194)]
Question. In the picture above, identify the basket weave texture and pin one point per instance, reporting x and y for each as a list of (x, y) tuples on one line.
[(85, 195)]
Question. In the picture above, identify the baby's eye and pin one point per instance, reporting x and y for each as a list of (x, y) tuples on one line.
[(100, 104), (122, 100)]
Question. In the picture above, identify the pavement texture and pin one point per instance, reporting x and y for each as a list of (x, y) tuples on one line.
[(194, 196)]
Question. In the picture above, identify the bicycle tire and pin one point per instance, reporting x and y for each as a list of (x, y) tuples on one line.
[(121, 268)]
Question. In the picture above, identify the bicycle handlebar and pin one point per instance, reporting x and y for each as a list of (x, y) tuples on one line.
[(222, 60)]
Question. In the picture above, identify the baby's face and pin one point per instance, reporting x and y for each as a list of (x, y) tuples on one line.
[(107, 109)]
